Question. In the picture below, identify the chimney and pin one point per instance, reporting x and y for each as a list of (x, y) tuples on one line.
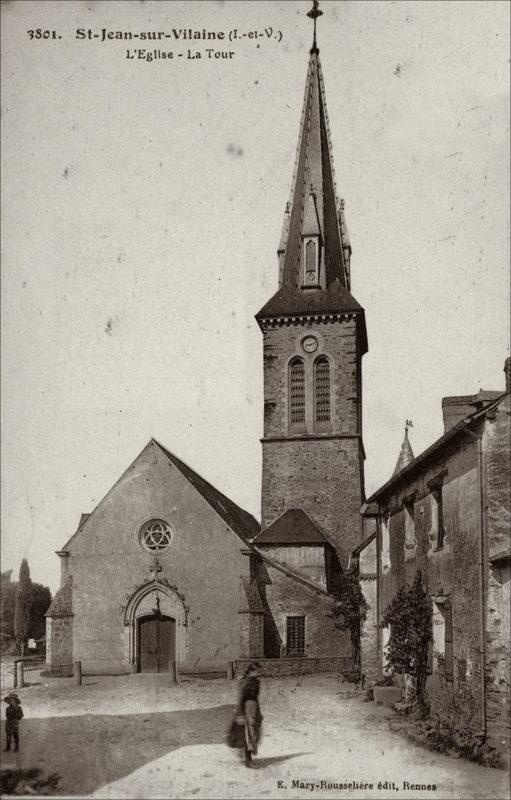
[(507, 372)]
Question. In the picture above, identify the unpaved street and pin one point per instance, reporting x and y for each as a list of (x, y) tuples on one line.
[(135, 737)]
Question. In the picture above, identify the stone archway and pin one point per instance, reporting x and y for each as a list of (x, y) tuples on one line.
[(141, 605)]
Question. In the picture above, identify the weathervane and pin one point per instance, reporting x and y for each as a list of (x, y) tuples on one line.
[(314, 13), (408, 424)]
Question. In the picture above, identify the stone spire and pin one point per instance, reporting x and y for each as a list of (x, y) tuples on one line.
[(406, 455), (314, 250)]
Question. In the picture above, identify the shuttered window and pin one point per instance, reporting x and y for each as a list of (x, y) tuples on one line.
[(297, 392), (322, 390), (296, 636)]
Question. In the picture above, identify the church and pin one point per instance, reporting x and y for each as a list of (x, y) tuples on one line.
[(166, 569)]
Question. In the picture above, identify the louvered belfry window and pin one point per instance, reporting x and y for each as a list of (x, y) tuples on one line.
[(297, 391), (322, 390)]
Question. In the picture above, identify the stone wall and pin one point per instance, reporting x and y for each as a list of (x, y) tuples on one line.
[(451, 571), (285, 597), (278, 667), (59, 631), (321, 476), (107, 566), (320, 467), (367, 573), (496, 446), (59, 645)]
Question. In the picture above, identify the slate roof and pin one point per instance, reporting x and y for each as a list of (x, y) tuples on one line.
[(62, 603), (406, 455), (433, 449), (294, 526), (241, 522), (314, 208)]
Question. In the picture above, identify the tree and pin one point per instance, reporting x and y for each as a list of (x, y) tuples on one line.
[(23, 608), (41, 600), (7, 603), (350, 610), (409, 617)]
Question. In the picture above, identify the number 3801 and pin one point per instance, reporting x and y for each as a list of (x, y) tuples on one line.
[(40, 34)]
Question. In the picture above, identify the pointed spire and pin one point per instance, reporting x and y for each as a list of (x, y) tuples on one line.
[(313, 199), (314, 251), (406, 455)]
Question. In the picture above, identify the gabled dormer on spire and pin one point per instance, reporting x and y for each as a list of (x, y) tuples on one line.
[(314, 252)]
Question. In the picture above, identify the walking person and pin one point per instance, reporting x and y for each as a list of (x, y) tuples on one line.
[(13, 714), (250, 712)]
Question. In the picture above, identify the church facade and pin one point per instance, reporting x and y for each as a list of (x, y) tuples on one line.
[(167, 568)]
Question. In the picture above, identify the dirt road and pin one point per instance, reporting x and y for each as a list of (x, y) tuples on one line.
[(136, 737)]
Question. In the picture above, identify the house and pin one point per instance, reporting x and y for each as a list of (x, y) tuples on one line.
[(446, 513)]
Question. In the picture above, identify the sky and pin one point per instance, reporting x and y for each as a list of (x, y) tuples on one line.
[(142, 208)]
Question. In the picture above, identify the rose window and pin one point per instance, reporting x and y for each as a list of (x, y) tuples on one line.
[(155, 535)]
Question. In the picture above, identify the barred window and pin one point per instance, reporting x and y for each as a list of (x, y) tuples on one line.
[(295, 636), (322, 390), (297, 391)]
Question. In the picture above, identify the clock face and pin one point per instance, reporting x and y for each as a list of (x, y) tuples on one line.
[(310, 344)]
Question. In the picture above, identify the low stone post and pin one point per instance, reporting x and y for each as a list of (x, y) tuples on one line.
[(173, 672), (19, 675), (77, 673), (230, 670)]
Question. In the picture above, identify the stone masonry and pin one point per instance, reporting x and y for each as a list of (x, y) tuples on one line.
[(320, 471)]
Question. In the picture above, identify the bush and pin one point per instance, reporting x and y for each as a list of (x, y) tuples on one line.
[(387, 680), (352, 675)]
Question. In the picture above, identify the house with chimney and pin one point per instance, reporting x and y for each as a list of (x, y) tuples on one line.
[(446, 513)]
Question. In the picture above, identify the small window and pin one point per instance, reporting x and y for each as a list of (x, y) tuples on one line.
[(438, 517), (155, 536), (295, 636), (322, 390), (297, 392)]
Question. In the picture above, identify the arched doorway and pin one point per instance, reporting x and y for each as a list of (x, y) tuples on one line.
[(155, 628), (156, 642)]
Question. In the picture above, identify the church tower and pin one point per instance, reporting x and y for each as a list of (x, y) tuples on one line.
[(314, 337)]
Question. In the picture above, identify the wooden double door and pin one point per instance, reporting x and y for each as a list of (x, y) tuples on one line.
[(156, 643)]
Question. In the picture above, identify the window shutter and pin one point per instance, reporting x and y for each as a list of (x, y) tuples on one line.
[(322, 390), (297, 392), (449, 667)]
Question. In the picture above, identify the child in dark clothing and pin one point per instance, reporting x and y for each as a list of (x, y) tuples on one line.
[(13, 714)]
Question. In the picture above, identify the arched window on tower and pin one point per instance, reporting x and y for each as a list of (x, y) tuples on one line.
[(322, 390), (297, 392)]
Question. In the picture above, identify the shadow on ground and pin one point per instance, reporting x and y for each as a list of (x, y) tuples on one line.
[(91, 750), (261, 763)]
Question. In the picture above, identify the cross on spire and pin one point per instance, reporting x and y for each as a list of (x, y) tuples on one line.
[(314, 13)]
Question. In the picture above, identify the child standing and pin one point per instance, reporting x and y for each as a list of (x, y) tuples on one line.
[(13, 714)]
